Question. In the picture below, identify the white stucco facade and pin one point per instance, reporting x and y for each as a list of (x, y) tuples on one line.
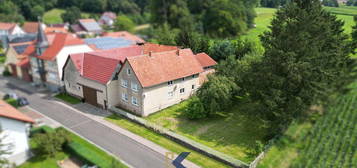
[(62, 56), (16, 31), (16, 134)]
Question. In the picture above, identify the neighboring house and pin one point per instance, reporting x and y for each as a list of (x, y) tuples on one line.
[(143, 81), (32, 27), (9, 29), (103, 43), (17, 60), (92, 76), (51, 54), (125, 35), (10, 39), (15, 128), (86, 26), (107, 18)]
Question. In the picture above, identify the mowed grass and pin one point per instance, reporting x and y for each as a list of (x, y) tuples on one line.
[(233, 132), (285, 150), (67, 98), (41, 161), (194, 156), (53, 16), (265, 15), (343, 10)]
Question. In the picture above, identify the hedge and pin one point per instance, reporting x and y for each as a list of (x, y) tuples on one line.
[(89, 153), (42, 129), (12, 102)]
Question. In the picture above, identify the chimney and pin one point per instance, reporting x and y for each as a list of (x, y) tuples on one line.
[(178, 52), (150, 53)]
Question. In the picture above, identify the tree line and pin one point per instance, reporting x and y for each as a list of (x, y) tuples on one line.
[(306, 61)]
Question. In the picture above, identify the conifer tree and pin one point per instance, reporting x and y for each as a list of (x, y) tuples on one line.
[(306, 59)]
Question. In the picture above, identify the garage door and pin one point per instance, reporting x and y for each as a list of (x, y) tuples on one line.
[(90, 95)]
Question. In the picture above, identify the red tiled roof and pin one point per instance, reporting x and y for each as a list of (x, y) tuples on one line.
[(125, 35), (105, 61), (8, 111), (86, 20), (30, 27), (56, 30), (205, 60), (100, 65), (156, 68), (151, 47), (29, 50), (24, 62), (7, 26), (60, 40)]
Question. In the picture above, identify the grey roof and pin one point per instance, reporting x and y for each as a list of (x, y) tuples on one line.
[(108, 42), (6, 40), (20, 48), (91, 26)]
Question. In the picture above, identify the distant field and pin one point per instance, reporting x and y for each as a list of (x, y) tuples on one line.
[(54, 16), (264, 16), (343, 10)]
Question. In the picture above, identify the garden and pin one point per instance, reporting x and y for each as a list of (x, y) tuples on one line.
[(58, 147)]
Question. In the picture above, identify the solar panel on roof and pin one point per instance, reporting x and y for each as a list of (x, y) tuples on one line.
[(108, 42), (20, 48)]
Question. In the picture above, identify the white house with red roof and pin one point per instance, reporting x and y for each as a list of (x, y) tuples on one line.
[(107, 18), (10, 29), (142, 79), (15, 130), (51, 52)]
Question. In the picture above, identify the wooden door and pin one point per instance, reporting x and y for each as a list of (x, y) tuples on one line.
[(90, 95)]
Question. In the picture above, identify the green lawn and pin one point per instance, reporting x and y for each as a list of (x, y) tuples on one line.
[(40, 161), (67, 98), (194, 156), (264, 16), (262, 21), (90, 151), (343, 10), (232, 132), (2, 59), (285, 150), (53, 16)]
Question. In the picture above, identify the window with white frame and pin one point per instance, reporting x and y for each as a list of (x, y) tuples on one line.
[(124, 83), (183, 79), (134, 101), (193, 87), (128, 71), (182, 90), (170, 82), (134, 86), (124, 97)]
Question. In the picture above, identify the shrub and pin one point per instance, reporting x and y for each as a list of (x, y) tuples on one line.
[(50, 143), (42, 129), (6, 72), (195, 109), (12, 102)]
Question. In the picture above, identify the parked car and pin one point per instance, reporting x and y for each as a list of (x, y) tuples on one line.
[(22, 101), (10, 96)]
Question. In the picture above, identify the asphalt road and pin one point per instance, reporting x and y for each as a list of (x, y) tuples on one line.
[(127, 149)]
